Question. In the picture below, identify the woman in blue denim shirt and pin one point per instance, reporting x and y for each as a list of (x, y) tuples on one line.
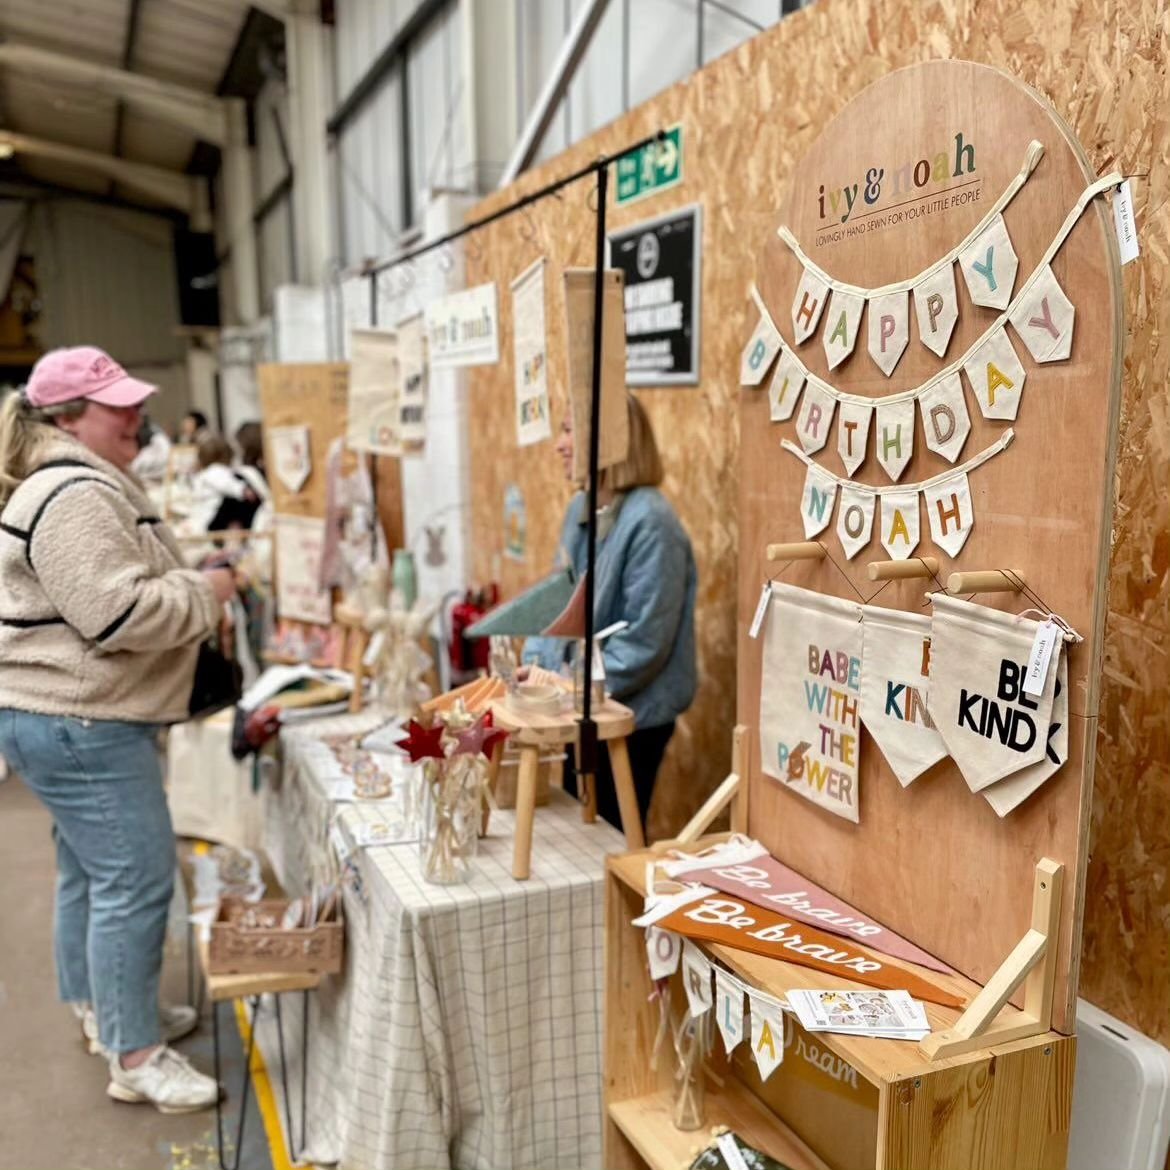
[(646, 577)]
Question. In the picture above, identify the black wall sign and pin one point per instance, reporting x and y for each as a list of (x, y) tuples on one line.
[(660, 259)]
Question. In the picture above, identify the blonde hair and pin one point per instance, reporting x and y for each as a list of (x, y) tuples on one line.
[(211, 449), (642, 466), (24, 431)]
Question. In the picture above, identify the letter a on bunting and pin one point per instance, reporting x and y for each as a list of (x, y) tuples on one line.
[(900, 523), (996, 376), (767, 1034), (844, 319)]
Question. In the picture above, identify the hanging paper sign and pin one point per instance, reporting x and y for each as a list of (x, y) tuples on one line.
[(463, 330), (1009, 794), (530, 356), (300, 541), (734, 923), (895, 436), (761, 349), (895, 682), (290, 455), (816, 416), (899, 521), (978, 661), (663, 950), (785, 387), (855, 519), (1043, 317), (412, 401), (372, 415), (728, 1008), (807, 305), (744, 869), (808, 697), (844, 319), (767, 1033), (996, 376), (853, 434), (989, 266), (816, 502), (936, 305), (889, 329), (945, 421), (950, 512), (696, 978)]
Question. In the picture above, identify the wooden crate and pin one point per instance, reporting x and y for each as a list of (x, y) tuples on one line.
[(315, 950), (1005, 1107)]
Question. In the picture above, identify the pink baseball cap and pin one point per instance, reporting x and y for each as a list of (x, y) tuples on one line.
[(83, 371)]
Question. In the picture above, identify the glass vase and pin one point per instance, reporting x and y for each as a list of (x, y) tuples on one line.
[(690, 1082), (449, 815)]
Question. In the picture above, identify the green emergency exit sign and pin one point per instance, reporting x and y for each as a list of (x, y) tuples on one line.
[(650, 168)]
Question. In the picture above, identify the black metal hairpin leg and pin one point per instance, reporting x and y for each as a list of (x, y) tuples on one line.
[(255, 1002), (194, 974), (295, 1149)]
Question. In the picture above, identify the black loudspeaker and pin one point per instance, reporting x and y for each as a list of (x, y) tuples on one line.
[(198, 274)]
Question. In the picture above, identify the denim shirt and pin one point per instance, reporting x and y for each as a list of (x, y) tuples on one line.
[(645, 576)]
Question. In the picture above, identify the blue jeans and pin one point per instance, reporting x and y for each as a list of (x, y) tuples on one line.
[(102, 781)]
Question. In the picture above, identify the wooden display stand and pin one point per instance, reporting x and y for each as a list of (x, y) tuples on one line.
[(533, 734)]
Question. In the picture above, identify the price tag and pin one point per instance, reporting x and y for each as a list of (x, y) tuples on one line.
[(1047, 637), (1123, 218), (729, 1148), (761, 610)]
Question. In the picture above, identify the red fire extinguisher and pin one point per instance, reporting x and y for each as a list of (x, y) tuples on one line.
[(471, 654)]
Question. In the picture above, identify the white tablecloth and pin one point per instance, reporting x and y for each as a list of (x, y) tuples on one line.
[(466, 1029)]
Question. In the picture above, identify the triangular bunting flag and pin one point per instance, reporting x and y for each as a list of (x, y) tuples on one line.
[(853, 434), (945, 421), (696, 978), (1044, 319), (889, 329), (785, 386), (807, 305), (843, 321), (767, 1033), (815, 416), (761, 349), (936, 305), (816, 502), (728, 1008), (663, 950), (996, 376), (855, 519), (900, 523), (989, 266), (949, 510), (895, 436)]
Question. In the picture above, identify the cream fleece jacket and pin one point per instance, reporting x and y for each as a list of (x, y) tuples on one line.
[(98, 618)]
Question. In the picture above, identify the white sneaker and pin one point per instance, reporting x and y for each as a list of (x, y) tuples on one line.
[(175, 1022), (166, 1080)]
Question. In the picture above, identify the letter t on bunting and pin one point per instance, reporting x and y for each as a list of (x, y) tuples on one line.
[(853, 434)]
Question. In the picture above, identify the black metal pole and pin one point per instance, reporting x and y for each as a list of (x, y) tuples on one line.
[(587, 763)]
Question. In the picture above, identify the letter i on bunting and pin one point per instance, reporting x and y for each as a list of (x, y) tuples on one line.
[(807, 305), (996, 376), (728, 1008), (989, 266), (889, 329), (767, 1034), (900, 523), (948, 507), (853, 434), (816, 502), (937, 307), (697, 978), (786, 384), (844, 319), (945, 421), (855, 519), (762, 347), (816, 416), (895, 436), (1044, 319)]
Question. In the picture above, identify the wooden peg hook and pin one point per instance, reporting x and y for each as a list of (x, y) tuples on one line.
[(986, 581), (801, 550), (901, 570)]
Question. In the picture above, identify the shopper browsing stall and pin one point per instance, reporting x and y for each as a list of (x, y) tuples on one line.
[(99, 636), (646, 577)]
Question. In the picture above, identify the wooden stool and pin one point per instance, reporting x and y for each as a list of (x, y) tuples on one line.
[(531, 733)]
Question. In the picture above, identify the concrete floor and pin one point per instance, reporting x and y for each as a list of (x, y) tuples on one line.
[(54, 1112)]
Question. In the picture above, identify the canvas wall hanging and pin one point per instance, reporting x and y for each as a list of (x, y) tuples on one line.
[(809, 732), (412, 402), (530, 355), (300, 541), (978, 661), (374, 380), (291, 455), (895, 682), (463, 329)]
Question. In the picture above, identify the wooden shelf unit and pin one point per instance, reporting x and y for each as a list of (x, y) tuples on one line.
[(1003, 1107)]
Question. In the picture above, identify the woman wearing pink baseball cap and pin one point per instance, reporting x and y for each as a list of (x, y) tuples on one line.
[(100, 628)]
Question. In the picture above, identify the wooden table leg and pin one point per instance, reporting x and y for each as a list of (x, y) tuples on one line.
[(623, 781), (493, 782), (525, 811)]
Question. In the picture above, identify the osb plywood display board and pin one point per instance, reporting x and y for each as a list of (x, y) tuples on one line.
[(748, 119), (1041, 507)]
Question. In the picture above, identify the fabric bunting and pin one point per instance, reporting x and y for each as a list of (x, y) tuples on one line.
[(767, 1033), (853, 434), (996, 376), (895, 436), (729, 1008), (936, 305), (844, 318), (784, 389), (761, 349), (855, 519), (816, 505), (696, 978), (808, 305), (663, 950), (989, 265), (945, 421), (899, 521), (949, 511), (816, 415), (889, 329), (1044, 319)]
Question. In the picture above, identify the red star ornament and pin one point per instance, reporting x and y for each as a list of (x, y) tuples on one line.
[(423, 743), (481, 736)]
